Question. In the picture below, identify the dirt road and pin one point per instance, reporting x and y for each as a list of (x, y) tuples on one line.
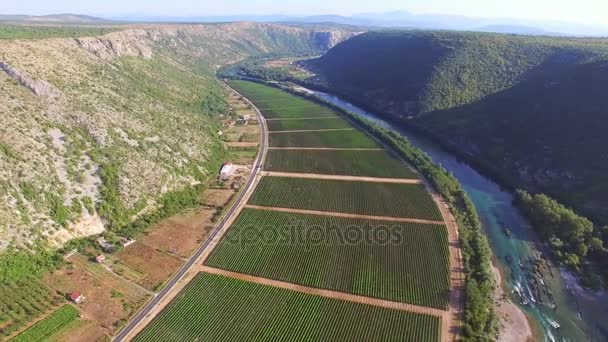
[(341, 177)]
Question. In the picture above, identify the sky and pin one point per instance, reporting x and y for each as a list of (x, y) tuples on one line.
[(590, 12)]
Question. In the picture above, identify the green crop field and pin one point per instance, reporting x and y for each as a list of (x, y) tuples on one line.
[(296, 124), (378, 199), (403, 262), (216, 308), (22, 302), (335, 139), (338, 162), (275, 103), (52, 324)]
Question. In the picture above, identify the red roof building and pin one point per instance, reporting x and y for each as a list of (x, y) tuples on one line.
[(76, 297)]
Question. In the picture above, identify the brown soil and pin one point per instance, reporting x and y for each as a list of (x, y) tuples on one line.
[(217, 197), (82, 331), (452, 327), (97, 285), (327, 293), (313, 130), (242, 144), (155, 266), (180, 235), (346, 215), (341, 177), (325, 148)]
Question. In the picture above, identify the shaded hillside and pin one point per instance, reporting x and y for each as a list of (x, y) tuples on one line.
[(529, 110), (97, 130)]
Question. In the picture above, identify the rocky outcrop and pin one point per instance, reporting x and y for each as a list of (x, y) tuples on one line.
[(41, 88)]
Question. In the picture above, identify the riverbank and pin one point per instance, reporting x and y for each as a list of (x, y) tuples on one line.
[(514, 323)]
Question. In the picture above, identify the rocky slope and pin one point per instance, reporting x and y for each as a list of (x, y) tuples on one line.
[(123, 117)]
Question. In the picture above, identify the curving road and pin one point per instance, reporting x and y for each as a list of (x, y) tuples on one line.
[(234, 209)]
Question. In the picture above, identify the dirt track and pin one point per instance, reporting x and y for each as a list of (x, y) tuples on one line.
[(327, 293), (346, 215), (341, 177), (452, 324), (312, 130)]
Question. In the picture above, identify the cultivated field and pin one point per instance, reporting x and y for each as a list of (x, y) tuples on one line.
[(49, 326), (275, 103), (319, 254), (377, 199), (338, 162), (110, 299), (22, 302), (303, 124), (217, 308), (336, 139), (403, 262)]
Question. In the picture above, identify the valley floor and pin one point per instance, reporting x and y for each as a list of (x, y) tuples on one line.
[(417, 279)]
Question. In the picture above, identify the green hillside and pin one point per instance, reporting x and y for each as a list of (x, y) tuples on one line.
[(528, 110)]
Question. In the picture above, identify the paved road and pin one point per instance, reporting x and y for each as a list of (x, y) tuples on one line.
[(193, 259)]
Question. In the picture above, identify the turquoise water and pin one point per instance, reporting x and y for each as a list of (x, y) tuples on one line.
[(559, 310)]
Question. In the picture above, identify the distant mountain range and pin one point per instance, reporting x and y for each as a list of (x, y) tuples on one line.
[(403, 19), (57, 18), (398, 19)]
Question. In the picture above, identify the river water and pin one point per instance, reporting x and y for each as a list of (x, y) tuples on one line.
[(558, 309)]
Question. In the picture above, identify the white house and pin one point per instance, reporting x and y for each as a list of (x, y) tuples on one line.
[(226, 171)]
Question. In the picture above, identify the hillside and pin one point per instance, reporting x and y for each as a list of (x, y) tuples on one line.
[(98, 130), (528, 110)]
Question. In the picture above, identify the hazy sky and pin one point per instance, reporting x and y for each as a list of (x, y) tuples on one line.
[(592, 12)]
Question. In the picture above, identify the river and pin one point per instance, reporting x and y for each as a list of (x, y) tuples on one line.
[(558, 309)]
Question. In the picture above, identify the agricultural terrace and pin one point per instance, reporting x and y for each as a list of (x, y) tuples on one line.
[(372, 163), (49, 326), (304, 124), (349, 138), (397, 261), (217, 308), (22, 302), (365, 198), (275, 103)]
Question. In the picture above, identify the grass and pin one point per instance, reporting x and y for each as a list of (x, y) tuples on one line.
[(379, 199), (333, 139), (354, 163), (274, 103), (297, 124), (49, 326), (401, 262), (216, 308), (39, 32)]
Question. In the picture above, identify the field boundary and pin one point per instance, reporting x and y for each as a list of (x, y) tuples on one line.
[(345, 178), (345, 215), (328, 293)]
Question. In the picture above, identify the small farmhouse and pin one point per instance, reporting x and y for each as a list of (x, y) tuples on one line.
[(100, 258), (226, 171), (126, 242), (76, 297)]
